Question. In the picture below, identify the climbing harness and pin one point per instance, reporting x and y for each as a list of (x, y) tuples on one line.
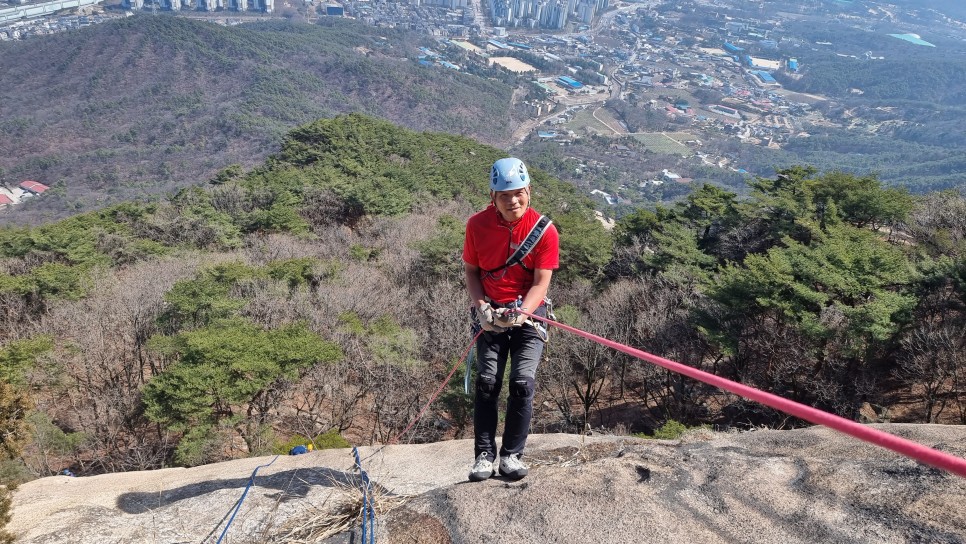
[(525, 247), (476, 328), (476, 325)]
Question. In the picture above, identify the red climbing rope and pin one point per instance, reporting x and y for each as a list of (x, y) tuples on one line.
[(438, 391), (908, 448)]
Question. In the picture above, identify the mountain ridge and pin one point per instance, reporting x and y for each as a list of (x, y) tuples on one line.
[(139, 107)]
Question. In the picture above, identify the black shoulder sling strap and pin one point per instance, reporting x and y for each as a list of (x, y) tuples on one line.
[(530, 242)]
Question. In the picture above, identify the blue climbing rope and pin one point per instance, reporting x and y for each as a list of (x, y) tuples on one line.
[(368, 514), (251, 481)]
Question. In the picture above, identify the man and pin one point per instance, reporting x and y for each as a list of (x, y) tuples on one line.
[(497, 287)]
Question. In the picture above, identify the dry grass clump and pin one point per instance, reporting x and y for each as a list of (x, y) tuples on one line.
[(570, 456), (342, 511)]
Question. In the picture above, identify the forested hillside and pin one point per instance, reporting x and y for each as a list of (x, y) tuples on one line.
[(931, 78), (335, 260), (954, 9), (320, 296), (903, 104), (136, 108)]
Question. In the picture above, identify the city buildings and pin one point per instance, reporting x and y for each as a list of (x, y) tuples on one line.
[(544, 14)]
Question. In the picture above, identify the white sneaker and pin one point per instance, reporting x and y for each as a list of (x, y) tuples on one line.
[(483, 468), (512, 467)]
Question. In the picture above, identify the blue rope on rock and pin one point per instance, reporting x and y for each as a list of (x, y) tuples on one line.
[(251, 481), (368, 514)]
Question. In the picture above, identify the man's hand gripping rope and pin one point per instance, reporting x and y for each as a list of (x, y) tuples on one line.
[(487, 316), (510, 317), (500, 319)]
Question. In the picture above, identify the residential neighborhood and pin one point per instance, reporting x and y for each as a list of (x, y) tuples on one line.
[(687, 79)]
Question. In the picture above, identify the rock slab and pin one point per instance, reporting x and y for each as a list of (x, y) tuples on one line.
[(806, 485)]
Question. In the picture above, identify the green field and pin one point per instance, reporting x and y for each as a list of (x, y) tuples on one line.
[(607, 116), (665, 142), (584, 119)]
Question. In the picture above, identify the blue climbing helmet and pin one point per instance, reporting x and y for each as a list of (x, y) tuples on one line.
[(509, 174)]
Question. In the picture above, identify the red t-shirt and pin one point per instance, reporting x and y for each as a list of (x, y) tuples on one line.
[(489, 243)]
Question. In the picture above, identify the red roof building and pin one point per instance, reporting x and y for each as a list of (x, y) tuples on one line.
[(5, 200), (34, 187)]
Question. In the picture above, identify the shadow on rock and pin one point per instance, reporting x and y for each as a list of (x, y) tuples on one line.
[(291, 484)]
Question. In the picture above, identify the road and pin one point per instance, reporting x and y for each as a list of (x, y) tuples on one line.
[(525, 128), (569, 101), (478, 17)]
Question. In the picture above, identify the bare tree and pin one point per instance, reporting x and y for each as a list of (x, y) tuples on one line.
[(934, 363), (938, 221), (96, 372), (328, 397)]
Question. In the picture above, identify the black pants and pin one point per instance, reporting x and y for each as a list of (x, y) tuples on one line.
[(523, 346)]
